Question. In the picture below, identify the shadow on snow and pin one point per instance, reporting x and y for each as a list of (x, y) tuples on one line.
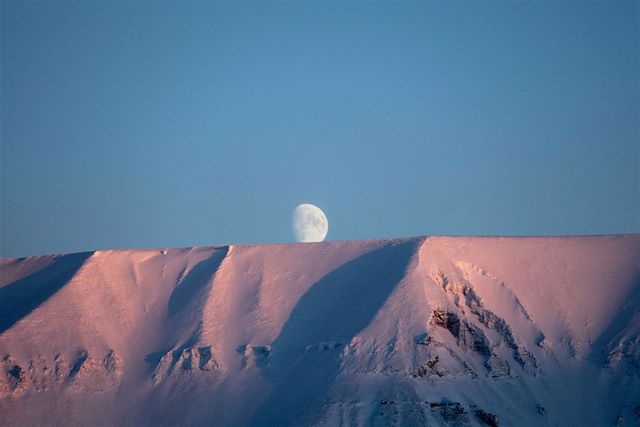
[(19, 298), (333, 311)]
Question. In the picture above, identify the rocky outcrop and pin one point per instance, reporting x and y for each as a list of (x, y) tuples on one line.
[(324, 346), (469, 337), (184, 361), (451, 413), (13, 377), (625, 356), (432, 331), (431, 368), (87, 372), (468, 329), (256, 356), (486, 417), (94, 373), (521, 355), (39, 373)]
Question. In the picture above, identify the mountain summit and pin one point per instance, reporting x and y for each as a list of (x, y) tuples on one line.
[(465, 331)]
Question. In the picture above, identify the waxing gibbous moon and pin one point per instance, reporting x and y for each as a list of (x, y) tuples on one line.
[(309, 223)]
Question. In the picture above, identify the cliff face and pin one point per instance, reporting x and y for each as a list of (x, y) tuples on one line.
[(436, 331)]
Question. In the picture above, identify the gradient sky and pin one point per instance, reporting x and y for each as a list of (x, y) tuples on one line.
[(144, 124)]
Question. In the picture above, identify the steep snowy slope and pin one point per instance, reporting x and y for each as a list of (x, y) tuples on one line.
[(423, 331)]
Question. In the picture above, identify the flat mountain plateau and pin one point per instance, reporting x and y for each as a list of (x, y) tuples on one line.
[(461, 331)]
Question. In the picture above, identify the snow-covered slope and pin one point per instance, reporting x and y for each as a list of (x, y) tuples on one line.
[(435, 331)]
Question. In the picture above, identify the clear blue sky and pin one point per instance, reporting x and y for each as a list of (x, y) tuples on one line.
[(153, 124)]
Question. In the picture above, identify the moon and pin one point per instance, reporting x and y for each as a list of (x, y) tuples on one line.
[(309, 223)]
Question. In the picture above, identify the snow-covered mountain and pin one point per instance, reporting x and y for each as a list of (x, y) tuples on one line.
[(422, 331)]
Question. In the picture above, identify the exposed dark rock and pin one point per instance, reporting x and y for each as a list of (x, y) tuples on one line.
[(420, 372), (433, 362), (13, 377), (541, 410), (191, 359), (469, 336), (442, 280), (255, 355), (205, 357), (472, 338), (60, 369), (81, 357), (626, 356), (430, 367), (460, 291), (185, 360), (16, 377), (471, 299), (454, 413), (448, 320), (111, 362), (571, 348), (522, 356), (486, 417)]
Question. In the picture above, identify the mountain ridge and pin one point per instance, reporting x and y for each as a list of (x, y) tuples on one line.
[(452, 330), (378, 239)]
